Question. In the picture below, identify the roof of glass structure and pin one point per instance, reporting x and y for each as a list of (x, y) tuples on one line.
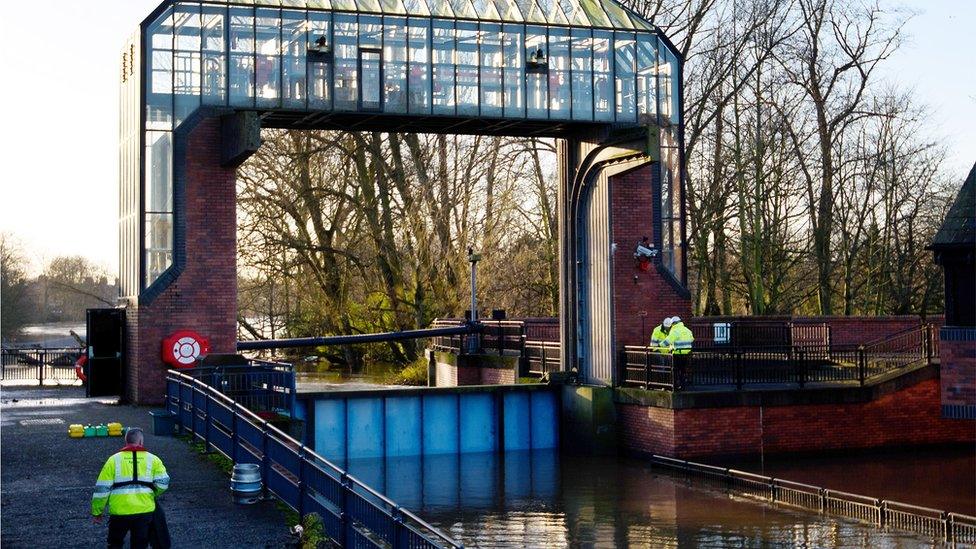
[(578, 13)]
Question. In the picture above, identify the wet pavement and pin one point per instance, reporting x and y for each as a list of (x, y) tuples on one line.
[(46, 478)]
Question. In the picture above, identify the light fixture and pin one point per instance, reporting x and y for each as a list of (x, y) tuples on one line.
[(537, 61), (319, 49)]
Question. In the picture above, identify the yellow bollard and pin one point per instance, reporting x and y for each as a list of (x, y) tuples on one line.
[(114, 429), (76, 430)]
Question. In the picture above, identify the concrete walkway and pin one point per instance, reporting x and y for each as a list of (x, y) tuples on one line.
[(46, 478)]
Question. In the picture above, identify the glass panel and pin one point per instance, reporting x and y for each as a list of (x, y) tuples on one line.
[(602, 90), (268, 60), (295, 52), (419, 82), (508, 10), (536, 88), (618, 16), (370, 31), (646, 79), (214, 60), (559, 85), (596, 15), (320, 68), (346, 61), (491, 69), (462, 9), (582, 57), (625, 85), (467, 68), (393, 6), (395, 64), (186, 61), (574, 13), (514, 72), (416, 7), (369, 66), (159, 73), (443, 49), (242, 57), (158, 245), (665, 84), (159, 175), (675, 71)]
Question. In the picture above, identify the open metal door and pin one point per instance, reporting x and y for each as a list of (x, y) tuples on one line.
[(105, 352)]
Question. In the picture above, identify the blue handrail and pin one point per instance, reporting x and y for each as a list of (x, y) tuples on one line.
[(353, 513)]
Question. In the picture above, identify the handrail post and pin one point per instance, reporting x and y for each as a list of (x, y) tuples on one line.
[(928, 343), (344, 522), (882, 512), (738, 368), (206, 425), (948, 533), (40, 367), (398, 530), (647, 368), (801, 356), (265, 460), (544, 367), (234, 439), (823, 500), (861, 364), (301, 483)]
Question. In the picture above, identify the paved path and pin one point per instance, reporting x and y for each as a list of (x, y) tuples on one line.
[(46, 479)]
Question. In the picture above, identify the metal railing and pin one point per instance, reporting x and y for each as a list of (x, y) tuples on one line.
[(353, 514), (759, 332), (712, 367), (941, 526), (539, 358), (260, 385), (40, 366)]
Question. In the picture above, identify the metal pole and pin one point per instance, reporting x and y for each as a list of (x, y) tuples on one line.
[(474, 343)]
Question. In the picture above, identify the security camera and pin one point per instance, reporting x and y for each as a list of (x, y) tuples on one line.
[(643, 252)]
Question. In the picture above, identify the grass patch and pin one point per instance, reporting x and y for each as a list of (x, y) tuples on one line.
[(414, 373)]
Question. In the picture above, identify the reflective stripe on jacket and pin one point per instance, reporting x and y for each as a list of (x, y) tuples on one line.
[(115, 486), (680, 339), (659, 341)]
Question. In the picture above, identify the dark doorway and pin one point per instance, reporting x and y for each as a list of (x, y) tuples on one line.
[(105, 352)]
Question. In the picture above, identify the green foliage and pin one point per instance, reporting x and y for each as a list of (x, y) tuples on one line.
[(414, 373)]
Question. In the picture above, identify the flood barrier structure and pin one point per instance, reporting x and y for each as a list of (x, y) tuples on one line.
[(941, 526), (344, 425), (353, 514)]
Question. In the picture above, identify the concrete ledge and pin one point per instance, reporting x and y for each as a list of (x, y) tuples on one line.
[(779, 395), (415, 391)]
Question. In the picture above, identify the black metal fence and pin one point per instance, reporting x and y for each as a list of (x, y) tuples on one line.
[(354, 515), (539, 358), (37, 366), (751, 333), (941, 526), (739, 367)]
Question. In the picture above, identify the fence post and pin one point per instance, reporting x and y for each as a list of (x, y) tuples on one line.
[(737, 368), (344, 523), (861, 364), (948, 533), (928, 344), (206, 426), (823, 500), (40, 367), (301, 483), (647, 368), (234, 440), (544, 367), (801, 364), (399, 537), (265, 460), (882, 512)]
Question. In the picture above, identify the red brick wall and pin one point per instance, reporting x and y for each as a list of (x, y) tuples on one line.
[(497, 376), (908, 417), (958, 366), (632, 219), (204, 297), (450, 375)]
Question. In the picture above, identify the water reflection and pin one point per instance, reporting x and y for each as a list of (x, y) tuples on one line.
[(543, 499)]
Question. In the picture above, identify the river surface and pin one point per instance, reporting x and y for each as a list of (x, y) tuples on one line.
[(544, 499), (942, 478)]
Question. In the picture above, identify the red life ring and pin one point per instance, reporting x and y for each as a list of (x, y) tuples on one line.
[(184, 347), (80, 367)]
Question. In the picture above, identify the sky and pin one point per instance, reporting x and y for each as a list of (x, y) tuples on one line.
[(58, 139)]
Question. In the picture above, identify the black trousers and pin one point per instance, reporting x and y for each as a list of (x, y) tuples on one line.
[(136, 525)]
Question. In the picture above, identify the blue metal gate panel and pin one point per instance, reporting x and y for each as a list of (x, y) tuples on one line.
[(403, 430), (479, 427), (440, 424), (330, 429)]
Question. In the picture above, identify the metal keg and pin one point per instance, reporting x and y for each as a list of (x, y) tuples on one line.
[(245, 483)]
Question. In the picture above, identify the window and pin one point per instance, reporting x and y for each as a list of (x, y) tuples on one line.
[(443, 45), (419, 79), (241, 57), (346, 61), (294, 56), (371, 78), (267, 29), (625, 84), (320, 67), (646, 78), (467, 68), (559, 84), (582, 63), (159, 73), (158, 204), (186, 61), (491, 70), (536, 82), (395, 65), (214, 22), (602, 77), (514, 70)]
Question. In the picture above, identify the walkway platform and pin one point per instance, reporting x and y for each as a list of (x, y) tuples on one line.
[(46, 478)]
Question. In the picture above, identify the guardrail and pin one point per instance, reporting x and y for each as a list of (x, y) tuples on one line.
[(38, 366), (941, 526), (713, 367), (354, 515), (539, 358)]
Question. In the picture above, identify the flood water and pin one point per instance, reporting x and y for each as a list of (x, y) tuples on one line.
[(942, 478), (544, 499)]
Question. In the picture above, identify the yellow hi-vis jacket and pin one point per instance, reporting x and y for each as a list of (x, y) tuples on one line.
[(659, 341), (680, 339), (124, 493)]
